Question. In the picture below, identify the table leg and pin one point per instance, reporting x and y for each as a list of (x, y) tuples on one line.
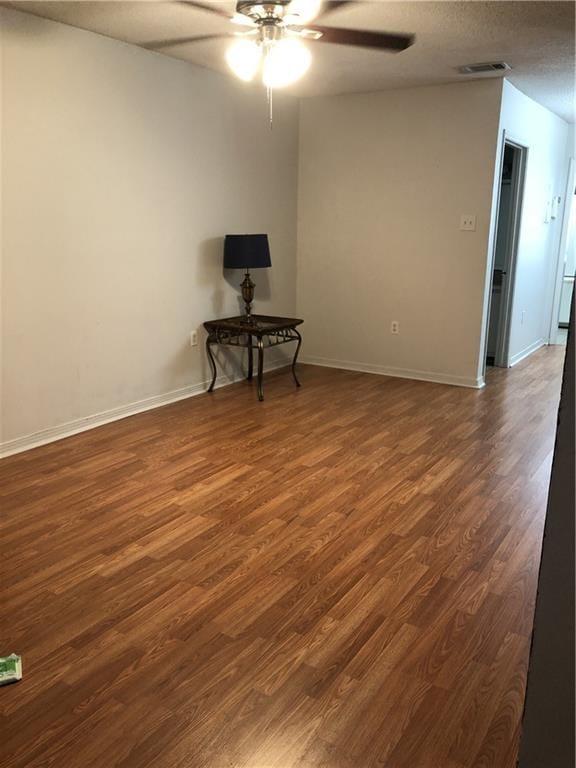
[(212, 364), (250, 359), (260, 368), (296, 357)]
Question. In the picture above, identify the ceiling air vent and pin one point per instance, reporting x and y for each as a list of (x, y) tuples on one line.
[(490, 66)]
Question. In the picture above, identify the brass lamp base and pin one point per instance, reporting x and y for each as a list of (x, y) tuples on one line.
[(247, 287)]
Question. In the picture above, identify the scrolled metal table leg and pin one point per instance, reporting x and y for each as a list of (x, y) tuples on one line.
[(250, 359), (260, 368), (296, 357), (212, 363)]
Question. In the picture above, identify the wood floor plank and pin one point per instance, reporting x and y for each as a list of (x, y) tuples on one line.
[(341, 576)]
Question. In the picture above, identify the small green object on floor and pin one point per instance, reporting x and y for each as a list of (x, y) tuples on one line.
[(10, 669)]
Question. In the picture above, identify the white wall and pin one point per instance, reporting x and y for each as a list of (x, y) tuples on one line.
[(569, 257), (121, 172), (384, 178), (547, 139)]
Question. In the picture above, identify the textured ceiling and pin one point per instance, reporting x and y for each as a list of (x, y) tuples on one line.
[(535, 38)]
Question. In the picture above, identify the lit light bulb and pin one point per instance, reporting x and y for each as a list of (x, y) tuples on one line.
[(285, 62), (243, 58)]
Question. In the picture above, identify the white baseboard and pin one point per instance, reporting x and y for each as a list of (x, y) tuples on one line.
[(50, 435), (400, 373), (526, 352)]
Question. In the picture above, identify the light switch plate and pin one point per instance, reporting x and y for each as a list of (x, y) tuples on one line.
[(468, 222)]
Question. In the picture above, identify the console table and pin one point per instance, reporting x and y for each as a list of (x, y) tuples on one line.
[(254, 332)]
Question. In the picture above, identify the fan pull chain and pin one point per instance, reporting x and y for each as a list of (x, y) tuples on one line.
[(270, 106)]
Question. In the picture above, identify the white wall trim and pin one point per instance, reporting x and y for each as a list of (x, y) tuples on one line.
[(59, 432), (400, 373), (527, 351)]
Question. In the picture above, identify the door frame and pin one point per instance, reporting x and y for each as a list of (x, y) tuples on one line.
[(502, 357), (569, 194)]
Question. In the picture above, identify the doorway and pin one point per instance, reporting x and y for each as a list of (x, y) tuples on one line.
[(504, 262), (568, 275)]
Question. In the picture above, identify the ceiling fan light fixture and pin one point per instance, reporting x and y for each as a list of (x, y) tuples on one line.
[(243, 58), (286, 61)]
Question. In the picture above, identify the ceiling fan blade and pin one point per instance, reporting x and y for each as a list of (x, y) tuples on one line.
[(235, 18), (243, 21), (329, 6), (205, 7), (384, 41), (304, 33), (158, 45)]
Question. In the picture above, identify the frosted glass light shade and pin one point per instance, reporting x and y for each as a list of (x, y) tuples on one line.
[(286, 61), (243, 58)]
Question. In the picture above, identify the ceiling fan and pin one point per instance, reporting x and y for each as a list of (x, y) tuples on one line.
[(271, 41)]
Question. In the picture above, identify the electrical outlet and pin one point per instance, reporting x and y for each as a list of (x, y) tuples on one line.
[(468, 222), (395, 327), (193, 338)]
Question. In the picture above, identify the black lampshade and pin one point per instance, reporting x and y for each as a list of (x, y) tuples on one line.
[(246, 252)]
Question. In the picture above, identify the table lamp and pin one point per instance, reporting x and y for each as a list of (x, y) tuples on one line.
[(247, 252)]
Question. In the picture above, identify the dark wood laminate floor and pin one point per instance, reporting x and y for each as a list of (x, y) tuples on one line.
[(342, 576)]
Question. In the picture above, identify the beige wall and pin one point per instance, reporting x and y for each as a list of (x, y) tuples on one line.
[(121, 172), (384, 178)]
